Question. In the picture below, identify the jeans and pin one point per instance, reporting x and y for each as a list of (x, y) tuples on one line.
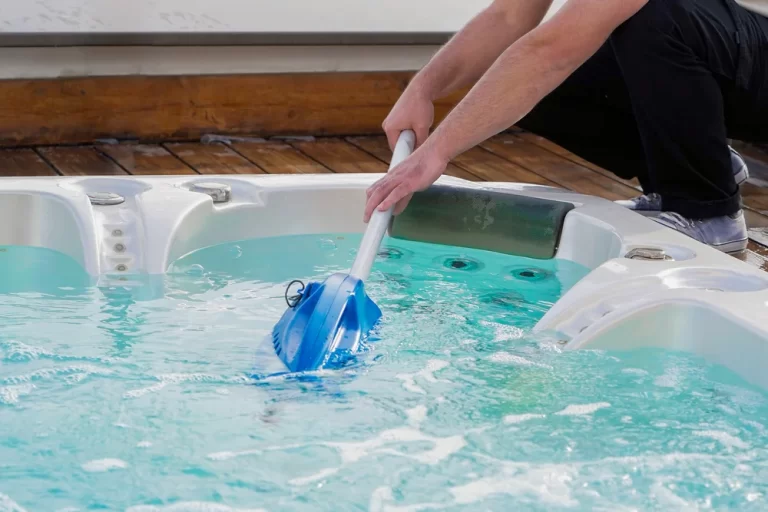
[(662, 96)]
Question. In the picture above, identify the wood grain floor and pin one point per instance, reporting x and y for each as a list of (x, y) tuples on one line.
[(514, 156)]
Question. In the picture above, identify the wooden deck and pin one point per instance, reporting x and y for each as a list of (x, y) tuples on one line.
[(515, 156)]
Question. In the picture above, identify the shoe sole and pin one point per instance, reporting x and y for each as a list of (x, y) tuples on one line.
[(742, 175), (732, 247)]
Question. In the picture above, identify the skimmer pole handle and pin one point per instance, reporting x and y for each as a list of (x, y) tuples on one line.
[(379, 222)]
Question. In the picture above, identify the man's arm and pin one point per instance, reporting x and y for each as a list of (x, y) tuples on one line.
[(462, 61), (521, 77), (469, 54)]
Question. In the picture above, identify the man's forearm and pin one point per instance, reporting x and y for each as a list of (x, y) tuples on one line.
[(469, 54), (527, 71)]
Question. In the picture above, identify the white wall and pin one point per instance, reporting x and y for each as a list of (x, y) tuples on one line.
[(223, 16), (82, 16), (236, 15)]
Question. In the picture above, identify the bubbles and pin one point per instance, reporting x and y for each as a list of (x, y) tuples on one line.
[(235, 251), (194, 270), (327, 244)]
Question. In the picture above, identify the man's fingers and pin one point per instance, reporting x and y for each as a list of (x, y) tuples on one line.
[(398, 193), (379, 192), (402, 204), (392, 136), (422, 133)]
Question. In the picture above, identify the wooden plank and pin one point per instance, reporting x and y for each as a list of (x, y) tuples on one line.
[(80, 161), (23, 162), (279, 158), (562, 171), (756, 255), (213, 158), (146, 159), (561, 151), (760, 237), (490, 167), (341, 156), (83, 109), (379, 147), (755, 197)]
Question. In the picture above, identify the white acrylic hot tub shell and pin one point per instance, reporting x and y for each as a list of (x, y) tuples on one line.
[(704, 301)]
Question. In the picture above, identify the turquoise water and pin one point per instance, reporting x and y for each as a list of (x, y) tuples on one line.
[(141, 399)]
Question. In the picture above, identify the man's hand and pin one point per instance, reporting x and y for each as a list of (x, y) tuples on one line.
[(414, 174), (413, 111)]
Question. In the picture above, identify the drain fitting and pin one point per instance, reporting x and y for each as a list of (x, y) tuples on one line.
[(219, 192), (105, 198), (648, 254)]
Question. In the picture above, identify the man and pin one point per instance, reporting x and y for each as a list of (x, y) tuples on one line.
[(650, 89)]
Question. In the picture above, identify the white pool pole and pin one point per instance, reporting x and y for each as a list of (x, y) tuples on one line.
[(379, 222)]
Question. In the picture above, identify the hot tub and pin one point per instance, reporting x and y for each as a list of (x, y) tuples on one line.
[(540, 349)]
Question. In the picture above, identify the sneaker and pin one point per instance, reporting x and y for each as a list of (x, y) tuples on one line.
[(727, 233), (644, 204), (650, 204), (739, 166)]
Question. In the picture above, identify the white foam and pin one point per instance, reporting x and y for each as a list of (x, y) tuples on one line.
[(443, 447), (75, 378), (191, 506), (753, 496), (427, 374), (102, 465), (724, 438), (351, 452), (10, 395), (17, 350), (179, 378), (48, 373), (143, 444), (519, 418), (232, 455), (324, 473), (669, 379), (758, 426), (136, 393), (417, 415), (550, 484), (561, 485), (507, 358), (582, 410), (409, 383), (634, 371), (8, 505), (504, 332), (667, 499), (382, 495)]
